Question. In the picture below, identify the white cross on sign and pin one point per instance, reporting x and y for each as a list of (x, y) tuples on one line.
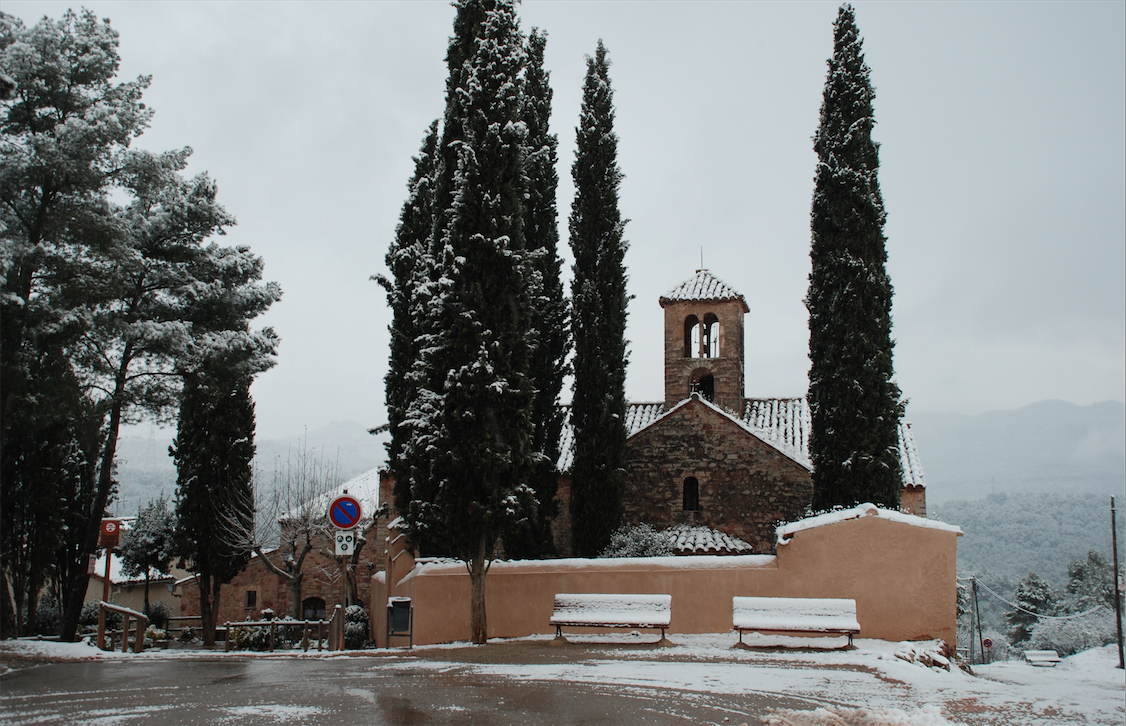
[(345, 541)]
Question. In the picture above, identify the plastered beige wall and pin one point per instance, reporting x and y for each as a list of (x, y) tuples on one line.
[(902, 577)]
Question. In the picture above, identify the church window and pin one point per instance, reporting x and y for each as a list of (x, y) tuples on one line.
[(711, 336), (691, 494), (251, 599), (692, 337)]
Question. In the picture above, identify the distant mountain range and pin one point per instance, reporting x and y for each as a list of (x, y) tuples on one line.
[(1050, 446), (144, 468)]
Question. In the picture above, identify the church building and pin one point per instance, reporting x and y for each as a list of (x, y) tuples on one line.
[(707, 459)]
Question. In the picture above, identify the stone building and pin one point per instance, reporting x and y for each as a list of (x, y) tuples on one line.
[(707, 455)]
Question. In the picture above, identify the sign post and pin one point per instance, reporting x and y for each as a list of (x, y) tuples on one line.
[(344, 512), (109, 536)]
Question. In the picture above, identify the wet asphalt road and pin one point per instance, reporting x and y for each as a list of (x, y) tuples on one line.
[(359, 690)]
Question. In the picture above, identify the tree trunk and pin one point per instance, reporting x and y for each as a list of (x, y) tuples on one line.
[(69, 626), (295, 597), (7, 609), (478, 567), (208, 610), (146, 610)]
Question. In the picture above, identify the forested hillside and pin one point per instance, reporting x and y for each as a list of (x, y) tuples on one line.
[(1006, 536)]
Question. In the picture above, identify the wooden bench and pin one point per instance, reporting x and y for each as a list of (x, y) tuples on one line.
[(1042, 658), (794, 615), (582, 610)]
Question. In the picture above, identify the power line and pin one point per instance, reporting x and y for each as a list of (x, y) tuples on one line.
[(1030, 612)]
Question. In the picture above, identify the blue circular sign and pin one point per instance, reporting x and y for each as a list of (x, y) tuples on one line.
[(344, 512)]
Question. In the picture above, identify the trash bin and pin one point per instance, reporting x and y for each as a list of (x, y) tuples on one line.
[(400, 619)]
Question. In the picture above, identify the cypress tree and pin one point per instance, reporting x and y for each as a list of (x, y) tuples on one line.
[(213, 451), (404, 259), (470, 422), (599, 299), (854, 403), (547, 366)]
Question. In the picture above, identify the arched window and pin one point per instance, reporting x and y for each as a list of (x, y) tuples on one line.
[(691, 494), (692, 337), (711, 336), (313, 608)]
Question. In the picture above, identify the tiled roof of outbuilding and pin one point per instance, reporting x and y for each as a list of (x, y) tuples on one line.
[(703, 287), (695, 540)]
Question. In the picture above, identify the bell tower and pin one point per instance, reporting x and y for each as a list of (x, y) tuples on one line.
[(704, 342)]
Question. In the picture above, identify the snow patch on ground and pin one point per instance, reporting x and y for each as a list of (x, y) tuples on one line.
[(835, 716), (275, 711)]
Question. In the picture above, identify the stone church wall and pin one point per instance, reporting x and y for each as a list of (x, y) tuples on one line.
[(746, 487)]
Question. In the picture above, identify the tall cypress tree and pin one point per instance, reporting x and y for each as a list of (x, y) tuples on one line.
[(470, 422), (213, 451), (404, 259), (599, 299), (547, 366), (854, 403)]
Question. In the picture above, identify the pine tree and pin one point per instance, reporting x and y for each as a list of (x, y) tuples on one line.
[(150, 543), (548, 364), (855, 405), (213, 450), (1035, 597), (599, 300)]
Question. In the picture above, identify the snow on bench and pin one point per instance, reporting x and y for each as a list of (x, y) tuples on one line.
[(794, 615), (611, 611), (1043, 658)]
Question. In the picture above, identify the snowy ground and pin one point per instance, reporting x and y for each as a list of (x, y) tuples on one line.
[(877, 684)]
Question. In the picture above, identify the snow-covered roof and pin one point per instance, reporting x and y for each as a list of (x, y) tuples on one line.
[(909, 457), (116, 571), (638, 416), (689, 539), (862, 510), (703, 287), (364, 488), (783, 423)]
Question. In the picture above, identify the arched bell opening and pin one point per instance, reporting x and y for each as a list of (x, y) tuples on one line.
[(702, 382)]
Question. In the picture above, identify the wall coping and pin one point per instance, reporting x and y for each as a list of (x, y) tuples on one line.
[(786, 531)]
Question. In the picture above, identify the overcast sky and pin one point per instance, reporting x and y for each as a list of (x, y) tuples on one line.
[(1002, 167)]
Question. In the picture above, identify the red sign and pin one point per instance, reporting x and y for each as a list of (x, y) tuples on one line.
[(344, 512), (987, 643), (110, 534)]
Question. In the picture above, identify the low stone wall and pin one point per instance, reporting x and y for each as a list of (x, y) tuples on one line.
[(901, 571)]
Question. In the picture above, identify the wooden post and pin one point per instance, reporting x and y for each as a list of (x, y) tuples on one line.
[(105, 585), (101, 637), (273, 633), (124, 632)]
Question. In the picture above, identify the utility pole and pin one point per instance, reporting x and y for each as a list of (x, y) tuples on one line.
[(1117, 582), (972, 653), (977, 615)]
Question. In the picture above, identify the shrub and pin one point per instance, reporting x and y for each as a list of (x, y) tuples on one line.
[(356, 632), (1068, 637), (47, 616), (638, 541), (159, 612)]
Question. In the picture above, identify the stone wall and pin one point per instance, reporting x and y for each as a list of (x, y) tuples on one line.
[(746, 486)]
